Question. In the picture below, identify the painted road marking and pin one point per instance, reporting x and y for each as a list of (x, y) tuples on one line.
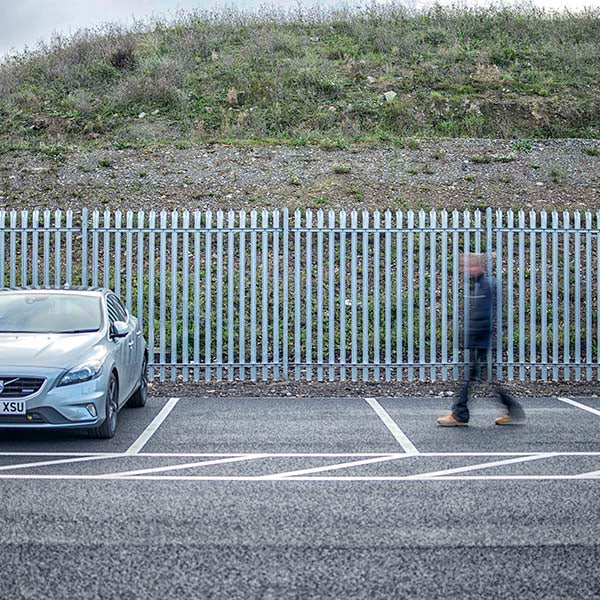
[(488, 465), (287, 454), (204, 463), (400, 436), (408, 478), (579, 405), (590, 475), (62, 461), (316, 473), (152, 428), (355, 463)]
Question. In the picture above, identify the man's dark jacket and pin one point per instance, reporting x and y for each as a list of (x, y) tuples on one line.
[(480, 314)]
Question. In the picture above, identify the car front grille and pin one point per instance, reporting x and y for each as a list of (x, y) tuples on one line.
[(19, 387)]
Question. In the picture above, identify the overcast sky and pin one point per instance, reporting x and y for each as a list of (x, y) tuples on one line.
[(25, 22)]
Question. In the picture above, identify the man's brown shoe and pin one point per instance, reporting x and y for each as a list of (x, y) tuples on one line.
[(451, 421), (509, 420), (504, 420)]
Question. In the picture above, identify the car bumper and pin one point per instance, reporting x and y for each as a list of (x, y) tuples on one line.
[(71, 406)]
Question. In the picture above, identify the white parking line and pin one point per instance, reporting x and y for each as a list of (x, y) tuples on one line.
[(496, 463), (579, 405), (400, 436), (204, 463), (355, 463), (408, 478), (151, 429), (590, 475), (285, 454), (62, 461)]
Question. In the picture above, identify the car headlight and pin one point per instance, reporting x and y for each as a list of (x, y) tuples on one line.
[(84, 372)]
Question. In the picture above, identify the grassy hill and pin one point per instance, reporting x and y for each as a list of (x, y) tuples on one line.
[(330, 78)]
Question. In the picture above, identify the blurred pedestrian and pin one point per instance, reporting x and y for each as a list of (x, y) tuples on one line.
[(477, 341)]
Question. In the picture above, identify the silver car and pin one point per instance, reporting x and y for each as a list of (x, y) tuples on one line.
[(69, 358)]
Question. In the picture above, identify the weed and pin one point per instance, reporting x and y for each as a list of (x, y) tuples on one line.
[(341, 170), (469, 178), (483, 160), (556, 174), (333, 144), (358, 194), (412, 143), (522, 146), (123, 145), (52, 150), (592, 151), (294, 181), (105, 163)]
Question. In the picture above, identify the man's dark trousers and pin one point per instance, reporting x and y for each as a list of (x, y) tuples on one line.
[(460, 408)]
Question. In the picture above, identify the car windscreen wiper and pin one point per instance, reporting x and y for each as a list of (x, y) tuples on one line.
[(75, 331), (49, 332)]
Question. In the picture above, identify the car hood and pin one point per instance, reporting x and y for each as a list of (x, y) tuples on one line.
[(56, 350)]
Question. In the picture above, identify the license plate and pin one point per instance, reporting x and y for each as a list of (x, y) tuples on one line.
[(12, 407)]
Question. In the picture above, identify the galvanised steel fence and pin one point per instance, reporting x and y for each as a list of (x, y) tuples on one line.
[(327, 295)]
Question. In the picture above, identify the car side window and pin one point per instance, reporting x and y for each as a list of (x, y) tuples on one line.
[(122, 307), (116, 312), (112, 313)]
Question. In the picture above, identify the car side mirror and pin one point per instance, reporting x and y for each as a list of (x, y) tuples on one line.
[(119, 329)]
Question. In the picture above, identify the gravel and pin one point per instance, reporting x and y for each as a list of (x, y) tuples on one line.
[(440, 173), (308, 389)]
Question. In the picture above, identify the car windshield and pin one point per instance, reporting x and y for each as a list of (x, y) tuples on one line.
[(49, 313)]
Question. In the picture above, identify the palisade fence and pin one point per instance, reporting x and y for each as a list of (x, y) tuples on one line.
[(327, 296)]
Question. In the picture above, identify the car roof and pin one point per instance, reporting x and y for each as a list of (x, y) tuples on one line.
[(92, 291)]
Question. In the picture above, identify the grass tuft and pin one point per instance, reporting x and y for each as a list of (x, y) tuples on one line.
[(483, 160), (341, 170)]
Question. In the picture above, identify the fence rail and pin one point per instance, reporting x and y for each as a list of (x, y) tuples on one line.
[(327, 295)]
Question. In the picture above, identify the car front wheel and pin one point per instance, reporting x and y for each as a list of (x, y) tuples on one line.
[(109, 427)]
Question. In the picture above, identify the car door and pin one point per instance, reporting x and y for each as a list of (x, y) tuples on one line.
[(124, 347), (134, 344)]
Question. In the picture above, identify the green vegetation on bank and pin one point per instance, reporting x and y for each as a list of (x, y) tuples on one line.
[(379, 74)]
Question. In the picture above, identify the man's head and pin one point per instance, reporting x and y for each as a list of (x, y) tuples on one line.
[(473, 264)]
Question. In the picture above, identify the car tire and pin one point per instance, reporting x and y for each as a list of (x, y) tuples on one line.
[(139, 397), (109, 427)]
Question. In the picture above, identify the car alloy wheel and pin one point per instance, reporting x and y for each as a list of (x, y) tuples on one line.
[(144, 379), (112, 407), (109, 427)]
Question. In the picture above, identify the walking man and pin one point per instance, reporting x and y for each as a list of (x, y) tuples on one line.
[(477, 341)]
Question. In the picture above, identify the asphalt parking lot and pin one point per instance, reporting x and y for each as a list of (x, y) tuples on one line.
[(306, 498)]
